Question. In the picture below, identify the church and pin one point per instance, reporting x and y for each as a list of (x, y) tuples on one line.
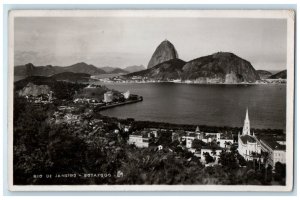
[(248, 145)]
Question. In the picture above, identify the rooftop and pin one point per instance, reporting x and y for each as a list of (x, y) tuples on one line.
[(274, 145), (247, 138)]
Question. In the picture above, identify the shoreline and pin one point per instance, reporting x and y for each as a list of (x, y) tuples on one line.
[(170, 125), (245, 84)]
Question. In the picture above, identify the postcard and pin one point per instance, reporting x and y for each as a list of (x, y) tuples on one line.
[(151, 100)]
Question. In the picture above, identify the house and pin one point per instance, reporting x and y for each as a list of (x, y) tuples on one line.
[(213, 151), (189, 139), (276, 151), (108, 97), (159, 147), (225, 140), (139, 141), (199, 135)]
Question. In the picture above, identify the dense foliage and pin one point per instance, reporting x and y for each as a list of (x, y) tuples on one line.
[(46, 153)]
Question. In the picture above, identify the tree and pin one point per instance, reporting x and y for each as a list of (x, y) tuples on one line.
[(229, 160), (208, 158), (197, 144), (241, 160), (280, 172)]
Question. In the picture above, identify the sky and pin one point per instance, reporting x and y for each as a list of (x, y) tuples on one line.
[(126, 41)]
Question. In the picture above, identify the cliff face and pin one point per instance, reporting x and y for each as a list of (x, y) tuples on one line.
[(164, 52), (220, 67), (34, 90)]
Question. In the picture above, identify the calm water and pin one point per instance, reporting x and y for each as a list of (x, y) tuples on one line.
[(218, 105)]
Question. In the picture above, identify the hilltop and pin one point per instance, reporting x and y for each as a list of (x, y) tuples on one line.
[(164, 52)]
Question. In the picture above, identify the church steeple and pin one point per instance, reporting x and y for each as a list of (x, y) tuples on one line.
[(246, 128)]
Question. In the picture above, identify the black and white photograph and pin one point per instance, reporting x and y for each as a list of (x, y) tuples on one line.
[(151, 100)]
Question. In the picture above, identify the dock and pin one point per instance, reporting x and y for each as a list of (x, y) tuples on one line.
[(99, 108)]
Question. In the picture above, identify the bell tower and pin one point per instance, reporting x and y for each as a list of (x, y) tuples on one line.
[(246, 128)]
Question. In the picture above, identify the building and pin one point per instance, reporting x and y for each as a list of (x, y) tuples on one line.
[(275, 151), (213, 151), (108, 97), (126, 94), (248, 145), (225, 140), (200, 135), (50, 97), (139, 141)]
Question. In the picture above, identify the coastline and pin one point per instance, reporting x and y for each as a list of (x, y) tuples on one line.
[(189, 83)]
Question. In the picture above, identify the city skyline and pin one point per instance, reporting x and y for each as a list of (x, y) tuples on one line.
[(121, 42)]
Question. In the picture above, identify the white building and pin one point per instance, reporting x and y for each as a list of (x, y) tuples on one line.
[(225, 140), (108, 97), (189, 140), (276, 151), (214, 152), (248, 144), (126, 94), (138, 141)]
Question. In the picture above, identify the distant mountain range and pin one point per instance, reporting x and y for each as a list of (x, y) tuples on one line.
[(164, 65), (49, 70), (126, 70), (83, 68)]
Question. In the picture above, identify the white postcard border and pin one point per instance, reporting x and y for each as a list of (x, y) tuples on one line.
[(289, 15)]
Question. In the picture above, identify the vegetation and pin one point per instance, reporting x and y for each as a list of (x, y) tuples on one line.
[(46, 153)]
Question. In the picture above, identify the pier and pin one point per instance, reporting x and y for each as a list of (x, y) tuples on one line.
[(99, 108)]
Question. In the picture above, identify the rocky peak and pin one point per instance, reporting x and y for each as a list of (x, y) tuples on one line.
[(164, 52)]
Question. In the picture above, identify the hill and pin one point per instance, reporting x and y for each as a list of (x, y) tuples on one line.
[(134, 68), (164, 52), (108, 69), (263, 74), (279, 75), (221, 67), (31, 70), (36, 80), (83, 68), (61, 89), (49, 70), (119, 71), (34, 90), (72, 77), (167, 70)]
